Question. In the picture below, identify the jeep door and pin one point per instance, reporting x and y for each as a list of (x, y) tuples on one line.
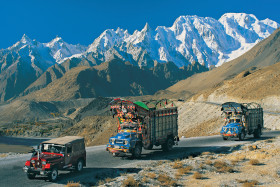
[(68, 155)]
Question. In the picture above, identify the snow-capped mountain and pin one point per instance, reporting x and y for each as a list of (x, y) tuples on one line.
[(25, 61), (48, 53), (190, 38), (61, 50)]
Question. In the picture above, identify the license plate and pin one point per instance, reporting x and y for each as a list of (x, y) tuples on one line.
[(117, 147)]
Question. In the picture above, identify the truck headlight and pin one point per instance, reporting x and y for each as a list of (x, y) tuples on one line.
[(32, 161), (113, 140), (125, 142), (44, 162)]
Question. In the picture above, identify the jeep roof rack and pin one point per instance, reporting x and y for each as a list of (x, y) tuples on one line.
[(64, 140)]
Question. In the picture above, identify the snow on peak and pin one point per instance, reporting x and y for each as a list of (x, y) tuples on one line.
[(61, 50), (190, 38), (246, 28), (108, 39), (25, 39), (56, 40), (146, 28), (23, 42)]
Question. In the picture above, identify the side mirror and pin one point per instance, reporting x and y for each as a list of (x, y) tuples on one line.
[(32, 151)]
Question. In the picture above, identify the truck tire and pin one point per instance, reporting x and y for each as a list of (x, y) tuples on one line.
[(225, 138), (257, 132), (31, 176), (168, 145), (53, 175), (137, 151), (148, 146), (79, 165), (241, 136)]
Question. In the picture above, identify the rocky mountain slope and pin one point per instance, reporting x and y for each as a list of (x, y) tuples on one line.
[(30, 65), (263, 54), (113, 78), (25, 61)]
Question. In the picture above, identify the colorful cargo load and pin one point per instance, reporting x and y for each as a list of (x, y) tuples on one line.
[(143, 124)]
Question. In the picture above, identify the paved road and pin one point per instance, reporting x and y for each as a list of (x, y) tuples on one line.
[(100, 162)]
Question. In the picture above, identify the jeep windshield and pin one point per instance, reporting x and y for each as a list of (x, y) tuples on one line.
[(52, 148)]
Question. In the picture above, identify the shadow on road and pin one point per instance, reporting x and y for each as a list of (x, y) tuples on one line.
[(89, 176)]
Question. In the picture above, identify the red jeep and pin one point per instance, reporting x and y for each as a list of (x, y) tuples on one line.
[(64, 153)]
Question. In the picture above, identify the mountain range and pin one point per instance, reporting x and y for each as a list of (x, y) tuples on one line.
[(29, 65), (265, 53)]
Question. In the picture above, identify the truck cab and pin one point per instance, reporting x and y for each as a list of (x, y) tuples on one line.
[(127, 140), (233, 128), (241, 119)]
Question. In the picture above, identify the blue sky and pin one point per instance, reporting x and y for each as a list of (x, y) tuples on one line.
[(81, 21)]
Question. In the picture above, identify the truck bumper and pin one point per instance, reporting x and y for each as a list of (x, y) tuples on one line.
[(37, 171), (230, 135), (115, 150)]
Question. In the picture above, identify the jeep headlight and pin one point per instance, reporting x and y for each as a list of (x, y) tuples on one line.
[(44, 162), (125, 142)]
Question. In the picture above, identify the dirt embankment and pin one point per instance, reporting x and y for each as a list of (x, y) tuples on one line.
[(248, 165), (199, 119)]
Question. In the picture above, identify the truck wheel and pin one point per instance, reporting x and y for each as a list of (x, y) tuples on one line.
[(257, 132), (31, 175), (79, 165), (53, 175), (241, 136), (168, 145), (225, 138), (137, 151), (148, 147)]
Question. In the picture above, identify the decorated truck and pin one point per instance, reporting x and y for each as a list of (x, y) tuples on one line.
[(64, 153), (242, 119), (143, 125)]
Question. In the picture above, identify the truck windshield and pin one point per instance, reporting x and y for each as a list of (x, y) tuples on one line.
[(234, 120), (129, 126), (53, 148)]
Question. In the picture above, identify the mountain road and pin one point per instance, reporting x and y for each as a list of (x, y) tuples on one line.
[(100, 162)]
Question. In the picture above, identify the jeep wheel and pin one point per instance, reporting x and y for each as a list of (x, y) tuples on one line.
[(241, 136), (80, 165), (53, 175), (31, 175), (137, 151), (168, 145)]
